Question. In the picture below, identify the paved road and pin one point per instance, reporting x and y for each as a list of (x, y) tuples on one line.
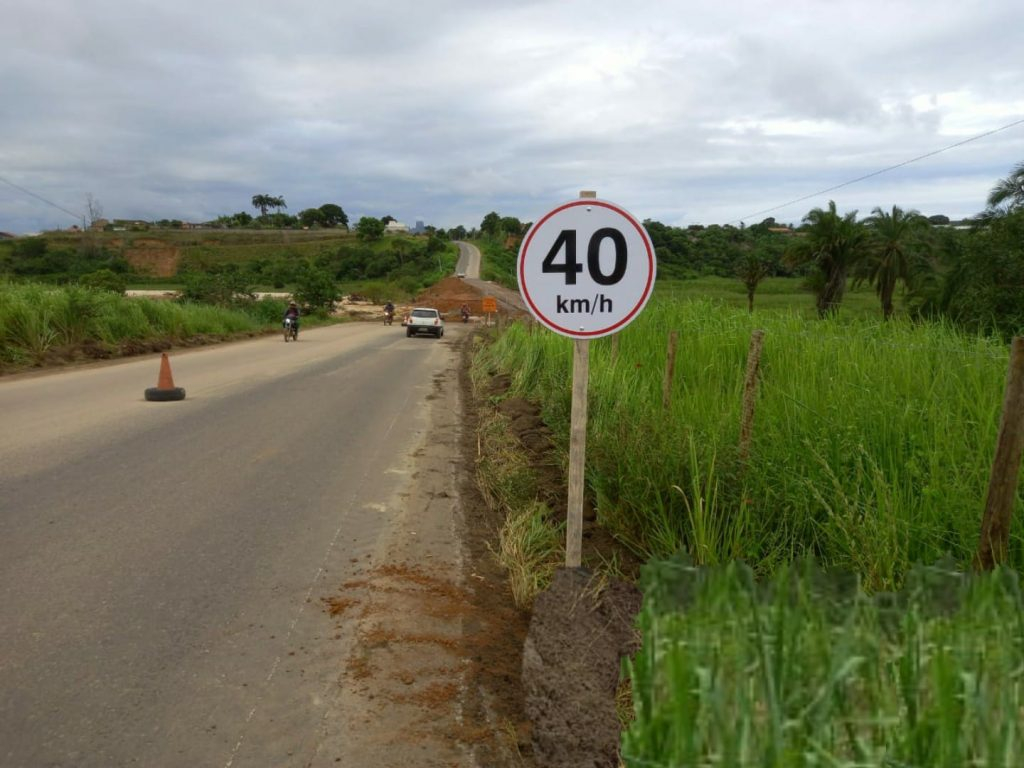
[(162, 564), (469, 264)]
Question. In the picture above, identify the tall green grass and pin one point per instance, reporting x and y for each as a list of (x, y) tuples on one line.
[(773, 293), (35, 319), (871, 449), (804, 671)]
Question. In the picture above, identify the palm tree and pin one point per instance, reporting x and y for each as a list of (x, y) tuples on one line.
[(1008, 193), (751, 270), (833, 243), (277, 203), (262, 202), (896, 245)]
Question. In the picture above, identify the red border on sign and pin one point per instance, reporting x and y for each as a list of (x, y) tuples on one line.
[(650, 268)]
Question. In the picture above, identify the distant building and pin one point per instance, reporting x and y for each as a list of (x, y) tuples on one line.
[(394, 227), (419, 229)]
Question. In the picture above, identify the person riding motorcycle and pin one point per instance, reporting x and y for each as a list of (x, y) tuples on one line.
[(293, 313), (464, 311)]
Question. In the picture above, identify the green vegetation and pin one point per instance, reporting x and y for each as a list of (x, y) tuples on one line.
[(408, 263), (39, 258), (241, 261), (871, 448), (871, 445), (774, 294), (37, 320), (804, 670), (972, 275), (529, 547), (498, 263)]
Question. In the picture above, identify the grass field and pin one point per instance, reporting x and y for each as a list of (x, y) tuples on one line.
[(871, 445), (773, 294), (871, 450), (805, 670), (38, 321)]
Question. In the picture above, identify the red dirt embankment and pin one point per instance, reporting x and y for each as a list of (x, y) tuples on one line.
[(450, 294), (151, 256)]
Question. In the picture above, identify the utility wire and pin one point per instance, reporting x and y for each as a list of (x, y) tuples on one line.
[(78, 216), (884, 170)]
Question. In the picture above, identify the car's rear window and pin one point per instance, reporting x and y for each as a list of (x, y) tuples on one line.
[(424, 313)]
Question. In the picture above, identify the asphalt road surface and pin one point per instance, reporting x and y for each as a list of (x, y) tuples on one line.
[(162, 565), (468, 263)]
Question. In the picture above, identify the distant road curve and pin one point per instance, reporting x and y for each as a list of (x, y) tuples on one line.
[(469, 265), (469, 260)]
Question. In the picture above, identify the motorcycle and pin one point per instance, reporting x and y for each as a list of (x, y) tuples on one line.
[(388, 317), (465, 315), (291, 330)]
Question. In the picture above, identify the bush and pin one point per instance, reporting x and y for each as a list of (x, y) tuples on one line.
[(316, 290), (228, 288), (105, 280)]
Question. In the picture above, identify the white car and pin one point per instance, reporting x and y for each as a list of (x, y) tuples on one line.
[(424, 320)]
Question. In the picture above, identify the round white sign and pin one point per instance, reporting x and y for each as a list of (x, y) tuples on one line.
[(586, 269)]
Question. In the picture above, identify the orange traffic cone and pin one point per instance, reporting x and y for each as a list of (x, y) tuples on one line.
[(165, 389)]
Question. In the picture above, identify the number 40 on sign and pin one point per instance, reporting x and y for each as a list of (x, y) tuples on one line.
[(586, 269)]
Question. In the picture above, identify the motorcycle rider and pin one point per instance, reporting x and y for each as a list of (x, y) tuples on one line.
[(464, 311), (389, 309), (293, 313)]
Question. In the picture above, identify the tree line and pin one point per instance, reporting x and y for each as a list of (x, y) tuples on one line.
[(973, 275), (327, 215)]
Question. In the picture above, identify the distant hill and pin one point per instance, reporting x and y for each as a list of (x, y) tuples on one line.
[(163, 252)]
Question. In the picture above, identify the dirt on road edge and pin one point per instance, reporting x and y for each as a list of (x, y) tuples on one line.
[(580, 626)]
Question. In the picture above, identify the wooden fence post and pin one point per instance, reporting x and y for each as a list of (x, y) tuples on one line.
[(750, 393), (994, 542), (670, 370)]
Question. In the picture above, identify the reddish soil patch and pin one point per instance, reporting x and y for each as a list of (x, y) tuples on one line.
[(151, 256), (449, 295)]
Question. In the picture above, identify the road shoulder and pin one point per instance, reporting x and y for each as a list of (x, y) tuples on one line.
[(433, 675)]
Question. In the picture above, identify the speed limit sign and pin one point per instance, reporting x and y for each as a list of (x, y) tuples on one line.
[(586, 269)]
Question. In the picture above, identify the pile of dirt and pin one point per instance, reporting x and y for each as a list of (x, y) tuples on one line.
[(450, 294), (579, 632)]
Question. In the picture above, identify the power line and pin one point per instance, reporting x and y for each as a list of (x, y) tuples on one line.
[(78, 216), (884, 170)]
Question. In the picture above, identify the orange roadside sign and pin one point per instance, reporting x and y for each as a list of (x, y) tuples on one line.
[(489, 304)]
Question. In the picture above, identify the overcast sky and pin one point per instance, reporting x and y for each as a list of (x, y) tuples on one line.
[(443, 110)]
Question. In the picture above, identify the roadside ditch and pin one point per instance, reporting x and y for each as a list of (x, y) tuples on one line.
[(576, 624)]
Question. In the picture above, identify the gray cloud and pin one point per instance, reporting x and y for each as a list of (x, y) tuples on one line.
[(442, 111)]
